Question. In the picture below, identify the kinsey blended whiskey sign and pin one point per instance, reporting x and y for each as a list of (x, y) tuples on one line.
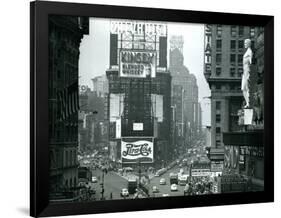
[(138, 149), (138, 64)]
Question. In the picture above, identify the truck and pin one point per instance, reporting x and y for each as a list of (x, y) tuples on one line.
[(183, 179), (173, 178), (132, 186)]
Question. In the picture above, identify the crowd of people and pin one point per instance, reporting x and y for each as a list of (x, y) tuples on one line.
[(198, 186)]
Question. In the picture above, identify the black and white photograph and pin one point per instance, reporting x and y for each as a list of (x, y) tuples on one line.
[(147, 109)]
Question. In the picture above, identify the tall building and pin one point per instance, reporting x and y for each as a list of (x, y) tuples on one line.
[(224, 50), (65, 34), (199, 121), (93, 128), (139, 93), (246, 147), (100, 85), (184, 95)]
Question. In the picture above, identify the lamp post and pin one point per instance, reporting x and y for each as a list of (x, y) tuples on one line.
[(139, 173), (104, 170)]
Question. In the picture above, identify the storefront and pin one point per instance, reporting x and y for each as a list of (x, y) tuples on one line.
[(244, 155)]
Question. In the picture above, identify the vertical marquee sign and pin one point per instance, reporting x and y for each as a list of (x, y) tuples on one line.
[(208, 50)]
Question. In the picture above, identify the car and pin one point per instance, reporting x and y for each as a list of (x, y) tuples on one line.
[(162, 181), (165, 195), (155, 189), (124, 192), (94, 179), (174, 187)]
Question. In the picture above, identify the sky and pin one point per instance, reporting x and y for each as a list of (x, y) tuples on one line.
[(94, 55)]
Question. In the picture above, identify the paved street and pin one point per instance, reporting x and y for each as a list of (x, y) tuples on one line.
[(166, 189), (113, 183)]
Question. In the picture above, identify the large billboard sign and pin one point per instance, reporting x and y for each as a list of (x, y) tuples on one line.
[(137, 149), (137, 64), (138, 28)]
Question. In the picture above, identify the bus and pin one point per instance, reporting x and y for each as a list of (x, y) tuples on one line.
[(132, 186)]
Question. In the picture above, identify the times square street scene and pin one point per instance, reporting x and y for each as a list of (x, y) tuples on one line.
[(146, 109)]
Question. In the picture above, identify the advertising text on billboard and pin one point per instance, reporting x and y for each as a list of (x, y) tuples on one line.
[(139, 64), (135, 150), (138, 28)]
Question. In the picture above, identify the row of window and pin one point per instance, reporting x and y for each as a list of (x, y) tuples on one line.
[(232, 87), (235, 31), (233, 44), (232, 71), (232, 59)]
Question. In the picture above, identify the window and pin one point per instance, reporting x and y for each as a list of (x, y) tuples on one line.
[(240, 72), (218, 87), (218, 143), (218, 105), (232, 87), (240, 31), (218, 44), (218, 71), (69, 157), (232, 58), (218, 130), (66, 158), (232, 44), (252, 31), (240, 44), (219, 30), (233, 31), (240, 59), (218, 59), (218, 118), (252, 44), (232, 72)]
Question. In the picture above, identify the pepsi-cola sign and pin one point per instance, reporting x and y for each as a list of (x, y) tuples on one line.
[(135, 150)]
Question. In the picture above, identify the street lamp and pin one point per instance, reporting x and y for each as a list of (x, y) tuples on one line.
[(104, 170), (139, 173)]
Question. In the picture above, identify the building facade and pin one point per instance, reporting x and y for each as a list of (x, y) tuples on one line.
[(93, 128), (184, 96), (100, 85), (246, 147), (139, 97), (65, 34), (224, 50)]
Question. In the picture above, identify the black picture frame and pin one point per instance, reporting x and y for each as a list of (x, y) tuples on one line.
[(39, 159)]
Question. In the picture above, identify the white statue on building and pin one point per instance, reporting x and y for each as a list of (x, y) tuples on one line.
[(247, 61)]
